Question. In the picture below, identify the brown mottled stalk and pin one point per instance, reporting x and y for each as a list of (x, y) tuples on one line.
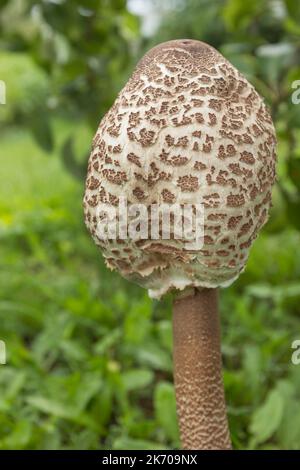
[(198, 378)]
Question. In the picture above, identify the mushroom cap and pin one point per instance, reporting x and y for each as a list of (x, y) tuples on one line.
[(187, 128)]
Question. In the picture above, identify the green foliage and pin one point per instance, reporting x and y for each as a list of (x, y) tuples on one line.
[(89, 361), (266, 419), (165, 410), (82, 47)]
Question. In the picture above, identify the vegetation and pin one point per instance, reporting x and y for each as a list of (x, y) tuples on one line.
[(89, 356)]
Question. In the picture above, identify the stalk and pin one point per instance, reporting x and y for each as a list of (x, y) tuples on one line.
[(198, 378)]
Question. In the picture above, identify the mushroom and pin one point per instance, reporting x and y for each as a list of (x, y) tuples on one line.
[(186, 129)]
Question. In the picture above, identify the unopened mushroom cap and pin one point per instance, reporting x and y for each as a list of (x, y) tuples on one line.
[(187, 128)]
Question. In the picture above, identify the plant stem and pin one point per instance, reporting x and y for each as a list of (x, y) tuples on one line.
[(198, 378)]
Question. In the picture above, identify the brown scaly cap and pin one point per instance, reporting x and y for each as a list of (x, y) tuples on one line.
[(186, 128)]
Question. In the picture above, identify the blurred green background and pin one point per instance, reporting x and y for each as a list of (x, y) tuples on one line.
[(89, 356)]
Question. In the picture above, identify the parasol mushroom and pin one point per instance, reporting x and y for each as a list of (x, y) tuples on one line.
[(187, 129)]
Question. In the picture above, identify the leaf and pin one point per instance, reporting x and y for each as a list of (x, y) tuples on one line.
[(138, 319), (50, 407), (105, 405), (284, 291), (165, 333), (274, 59), (153, 355), (61, 410), (18, 438), (266, 420), (137, 378), (252, 365), (289, 429), (90, 386), (261, 291), (108, 341), (129, 25), (16, 385), (237, 15), (165, 410)]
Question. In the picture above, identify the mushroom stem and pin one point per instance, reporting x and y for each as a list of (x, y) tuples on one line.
[(198, 378)]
